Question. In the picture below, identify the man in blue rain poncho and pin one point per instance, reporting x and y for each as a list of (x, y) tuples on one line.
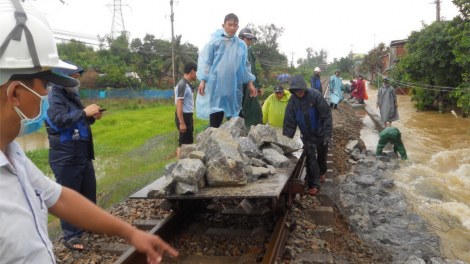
[(223, 69), (335, 85)]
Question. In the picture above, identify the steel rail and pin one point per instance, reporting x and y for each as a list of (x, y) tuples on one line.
[(277, 240)]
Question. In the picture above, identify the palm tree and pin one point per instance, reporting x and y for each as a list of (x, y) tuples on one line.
[(183, 55)]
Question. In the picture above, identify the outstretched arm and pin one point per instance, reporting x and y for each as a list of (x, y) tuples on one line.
[(79, 211)]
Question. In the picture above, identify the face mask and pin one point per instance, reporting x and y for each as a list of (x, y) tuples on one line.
[(32, 125), (227, 35), (76, 88)]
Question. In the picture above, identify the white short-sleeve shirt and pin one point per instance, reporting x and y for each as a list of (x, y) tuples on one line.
[(25, 195)]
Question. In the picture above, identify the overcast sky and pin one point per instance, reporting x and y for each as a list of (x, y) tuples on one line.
[(335, 25)]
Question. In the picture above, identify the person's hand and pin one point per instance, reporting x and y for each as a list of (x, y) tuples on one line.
[(396, 105), (98, 116), (151, 245), (253, 92), (182, 127), (202, 86), (92, 110), (377, 106), (260, 92), (328, 141)]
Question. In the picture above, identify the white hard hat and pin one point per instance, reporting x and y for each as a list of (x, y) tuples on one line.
[(27, 43), (317, 69)]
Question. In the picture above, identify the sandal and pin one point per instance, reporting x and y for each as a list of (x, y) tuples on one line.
[(313, 191), (72, 243)]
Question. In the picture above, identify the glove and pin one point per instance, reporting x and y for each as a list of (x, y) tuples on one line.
[(328, 141)]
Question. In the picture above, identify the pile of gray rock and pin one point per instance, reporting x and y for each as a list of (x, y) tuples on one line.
[(227, 156), (377, 210)]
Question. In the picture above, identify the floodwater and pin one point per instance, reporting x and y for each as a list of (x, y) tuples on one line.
[(33, 141), (436, 177)]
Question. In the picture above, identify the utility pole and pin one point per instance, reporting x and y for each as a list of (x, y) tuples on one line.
[(438, 10), (172, 42), (292, 62)]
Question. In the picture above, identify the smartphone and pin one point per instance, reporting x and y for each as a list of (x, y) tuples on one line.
[(103, 109)]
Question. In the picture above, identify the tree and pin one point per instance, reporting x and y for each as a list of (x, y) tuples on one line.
[(372, 63), (266, 47), (184, 53), (459, 29), (430, 60)]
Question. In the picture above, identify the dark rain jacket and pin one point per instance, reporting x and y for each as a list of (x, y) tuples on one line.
[(315, 82), (312, 114), (65, 114)]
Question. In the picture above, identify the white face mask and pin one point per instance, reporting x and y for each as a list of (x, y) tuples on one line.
[(32, 125), (76, 88)]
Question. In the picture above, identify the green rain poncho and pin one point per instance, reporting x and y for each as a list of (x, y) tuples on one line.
[(252, 112), (391, 135)]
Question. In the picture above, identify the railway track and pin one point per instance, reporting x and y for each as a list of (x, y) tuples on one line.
[(272, 252)]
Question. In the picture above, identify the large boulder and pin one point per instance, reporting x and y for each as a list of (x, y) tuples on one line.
[(258, 163), (273, 157), (189, 171), (272, 146), (186, 149), (184, 188), (169, 168), (198, 155), (258, 172), (224, 161), (167, 186), (288, 145), (235, 126), (261, 134), (248, 147)]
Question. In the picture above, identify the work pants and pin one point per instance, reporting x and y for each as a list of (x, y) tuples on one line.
[(80, 178), (397, 145), (322, 154), (215, 119), (313, 171)]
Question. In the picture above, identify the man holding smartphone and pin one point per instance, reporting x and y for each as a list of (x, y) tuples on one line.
[(184, 101), (71, 145)]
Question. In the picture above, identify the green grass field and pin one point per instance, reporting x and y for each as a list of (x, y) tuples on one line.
[(133, 142)]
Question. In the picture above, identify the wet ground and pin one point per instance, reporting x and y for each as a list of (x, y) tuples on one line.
[(436, 177)]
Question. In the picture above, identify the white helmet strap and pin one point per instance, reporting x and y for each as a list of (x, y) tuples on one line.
[(17, 31)]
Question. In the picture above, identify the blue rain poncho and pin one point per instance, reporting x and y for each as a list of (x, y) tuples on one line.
[(335, 84), (223, 64)]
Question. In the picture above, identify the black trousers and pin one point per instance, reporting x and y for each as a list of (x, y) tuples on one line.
[(80, 178), (313, 171), (215, 119), (322, 154)]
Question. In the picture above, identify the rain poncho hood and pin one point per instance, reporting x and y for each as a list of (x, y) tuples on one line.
[(223, 64), (335, 84)]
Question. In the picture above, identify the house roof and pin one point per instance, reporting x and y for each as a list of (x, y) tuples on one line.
[(397, 43)]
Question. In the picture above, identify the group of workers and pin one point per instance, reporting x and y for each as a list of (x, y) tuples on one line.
[(29, 61)]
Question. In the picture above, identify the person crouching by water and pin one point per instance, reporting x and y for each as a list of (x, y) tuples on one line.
[(185, 106), (274, 108), (391, 135), (308, 110), (387, 101)]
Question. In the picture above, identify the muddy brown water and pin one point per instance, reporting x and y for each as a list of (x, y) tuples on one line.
[(436, 176), (33, 141)]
